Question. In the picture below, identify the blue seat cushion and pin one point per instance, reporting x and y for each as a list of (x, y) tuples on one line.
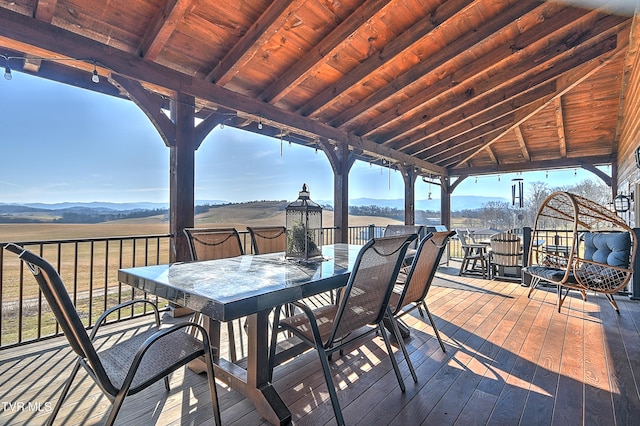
[(546, 272), (610, 248)]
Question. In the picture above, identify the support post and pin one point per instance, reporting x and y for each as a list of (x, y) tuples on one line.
[(409, 178)]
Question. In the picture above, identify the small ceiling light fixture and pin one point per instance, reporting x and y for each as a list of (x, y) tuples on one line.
[(260, 124), (7, 73), (95, 77)]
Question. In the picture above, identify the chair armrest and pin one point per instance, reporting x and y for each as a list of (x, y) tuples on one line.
[(102, 318)]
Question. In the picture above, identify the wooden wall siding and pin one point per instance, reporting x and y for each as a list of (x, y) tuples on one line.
[(452, 87), (629, 132)]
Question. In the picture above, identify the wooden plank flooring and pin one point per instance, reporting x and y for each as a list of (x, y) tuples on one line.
[(510, 360)]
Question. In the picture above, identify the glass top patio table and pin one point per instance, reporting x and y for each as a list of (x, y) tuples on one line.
[(249, 285)]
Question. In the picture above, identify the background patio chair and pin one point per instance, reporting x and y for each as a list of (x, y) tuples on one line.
[(268, 239), (412, 288), (362, 305), (216, 243), (130, 365), (473, 253)]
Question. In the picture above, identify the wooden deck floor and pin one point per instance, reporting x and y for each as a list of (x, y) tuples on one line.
[(510, 360)]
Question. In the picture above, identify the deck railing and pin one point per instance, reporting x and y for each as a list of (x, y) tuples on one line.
[(89, 269)]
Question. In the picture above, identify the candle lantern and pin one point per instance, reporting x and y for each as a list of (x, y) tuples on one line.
[(304, 227)]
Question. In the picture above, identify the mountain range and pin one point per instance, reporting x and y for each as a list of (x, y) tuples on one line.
[(459, 202)]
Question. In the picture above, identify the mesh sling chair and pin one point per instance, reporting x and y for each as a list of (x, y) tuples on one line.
[(412, 288), (598, 255), (210, 244), (268, 239), (130, 365), (362, 303)]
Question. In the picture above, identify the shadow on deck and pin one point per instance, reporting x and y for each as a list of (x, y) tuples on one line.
[(509, 360)]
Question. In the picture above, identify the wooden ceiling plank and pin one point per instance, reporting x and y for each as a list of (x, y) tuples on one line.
[(269, 22), (45, 9), (475, 114), (534, 76), (390, 52), (423, 69), (522, 143), (163, 25), (569, 81), (54, 39), (560, 123), (442, 98), (329, 45)]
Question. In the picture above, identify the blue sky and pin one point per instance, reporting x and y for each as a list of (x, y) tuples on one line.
[(63, 144)]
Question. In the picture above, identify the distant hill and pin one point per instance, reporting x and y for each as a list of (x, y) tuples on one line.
[(458, 202)]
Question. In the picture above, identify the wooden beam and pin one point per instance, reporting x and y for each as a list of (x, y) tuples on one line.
[(567, 82), (477, 114), (558, 163), (54, 39), (400, 44), (150, 105), (164, 24), (492, 155), (514, 74), (560, 123), (45, 9), (263, 28), (522, 143), (330, 45), (422, 73)]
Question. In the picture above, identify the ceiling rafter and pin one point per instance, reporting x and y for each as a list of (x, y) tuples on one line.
[(30, 31), (160, 30), (461, 120), (427, 70), (525, 76), (569, 81), (409, 114), (560, 123), (263, 28), (522, 143), (329, 45), (404, 42)]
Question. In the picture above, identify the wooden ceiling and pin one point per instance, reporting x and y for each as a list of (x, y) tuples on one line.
[(452, 87)]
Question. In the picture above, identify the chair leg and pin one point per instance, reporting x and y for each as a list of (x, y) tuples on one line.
[(324, 361), (212, 384), (534, 283), (387, 343), (274, 341), (232, 342), (613, 302), (433, 325), (403, 347), (64, 393)]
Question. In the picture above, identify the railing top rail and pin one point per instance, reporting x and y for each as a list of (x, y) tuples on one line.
[(87, 240)]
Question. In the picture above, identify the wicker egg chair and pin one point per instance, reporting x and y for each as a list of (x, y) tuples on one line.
[(598, 254)]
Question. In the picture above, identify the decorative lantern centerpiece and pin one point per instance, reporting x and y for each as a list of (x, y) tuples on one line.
[(304, 227)]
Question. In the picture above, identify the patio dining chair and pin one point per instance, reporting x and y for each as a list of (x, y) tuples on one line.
[(211, 244), (132, 364), (362, 305), (268, 239), (412, 288), (473, 254)]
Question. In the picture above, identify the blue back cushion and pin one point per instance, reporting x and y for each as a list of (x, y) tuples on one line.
[(611, 248)]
